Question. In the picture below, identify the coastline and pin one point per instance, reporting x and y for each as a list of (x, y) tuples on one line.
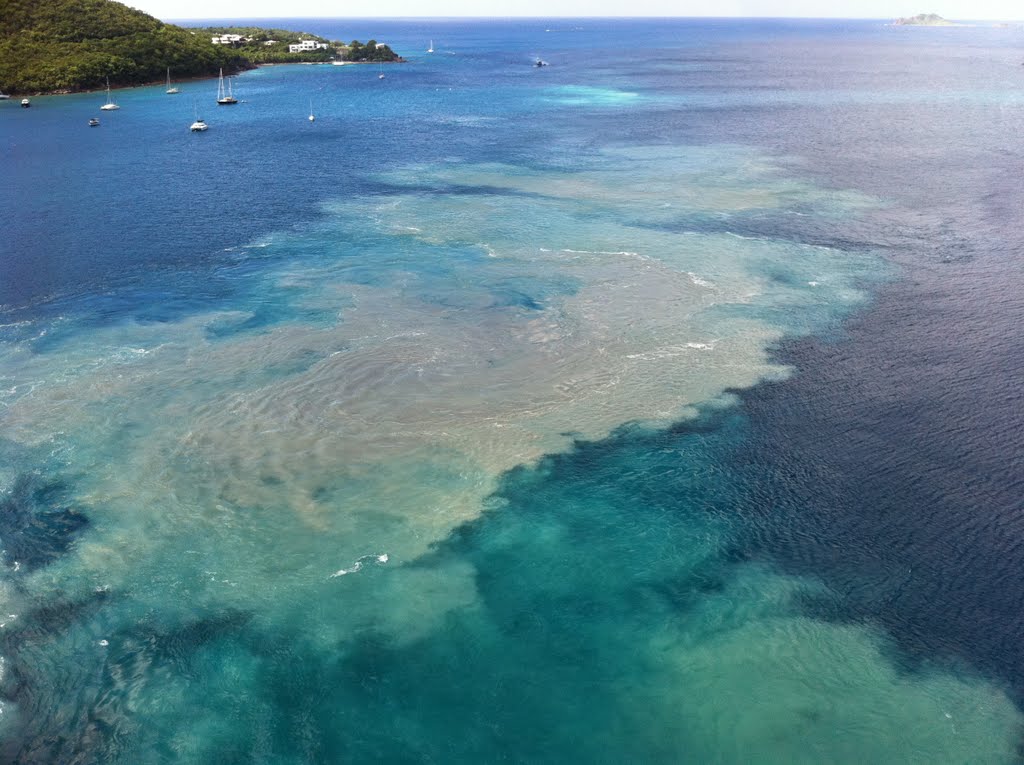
[(151, 83)]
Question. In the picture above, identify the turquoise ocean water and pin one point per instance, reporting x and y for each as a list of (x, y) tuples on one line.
[(417, 433)]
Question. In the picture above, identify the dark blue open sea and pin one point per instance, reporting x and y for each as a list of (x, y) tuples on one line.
[(659, 405)]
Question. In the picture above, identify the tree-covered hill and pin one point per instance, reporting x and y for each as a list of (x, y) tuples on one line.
[(371, 51), (69, 45), (264, 46), (270, 46)]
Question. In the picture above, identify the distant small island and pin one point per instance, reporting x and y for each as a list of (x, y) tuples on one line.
[(924, 20)]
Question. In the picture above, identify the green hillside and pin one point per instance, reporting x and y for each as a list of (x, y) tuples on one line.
[(270, 46), (68, 45)]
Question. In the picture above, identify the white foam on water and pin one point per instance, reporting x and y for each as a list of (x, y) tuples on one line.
[(699, 281), (358, 565), (600, 252)]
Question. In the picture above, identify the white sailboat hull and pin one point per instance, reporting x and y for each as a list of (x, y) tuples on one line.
[(109, 106)]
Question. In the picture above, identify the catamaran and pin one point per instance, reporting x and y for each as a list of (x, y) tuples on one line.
[(224, 98), (198, 126), (109, 106), (170, 90)]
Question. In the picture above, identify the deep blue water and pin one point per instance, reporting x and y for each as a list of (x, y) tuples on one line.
[(236, 362)]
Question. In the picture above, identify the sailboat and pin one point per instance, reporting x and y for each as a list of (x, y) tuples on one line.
[(381, 75), (198, 126), (224, 98), (431, 48), (109, 106), (311, 117), (170, 90)]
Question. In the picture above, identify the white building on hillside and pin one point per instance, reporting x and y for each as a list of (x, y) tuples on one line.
[(305, 45), (228, 39)]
